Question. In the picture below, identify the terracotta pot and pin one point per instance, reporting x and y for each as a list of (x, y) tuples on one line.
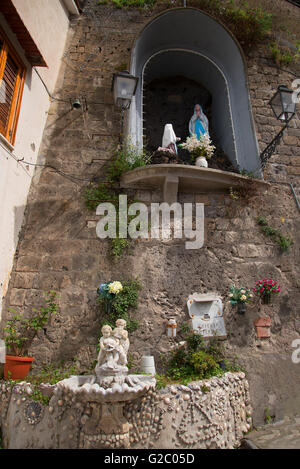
[(17, 367)]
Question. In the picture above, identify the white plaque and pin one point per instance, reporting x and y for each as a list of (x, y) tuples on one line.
[(206, 312)]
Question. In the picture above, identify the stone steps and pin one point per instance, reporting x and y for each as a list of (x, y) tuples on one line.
[(284, 434)]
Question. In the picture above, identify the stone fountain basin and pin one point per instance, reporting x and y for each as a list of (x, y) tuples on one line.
[(86, 390)]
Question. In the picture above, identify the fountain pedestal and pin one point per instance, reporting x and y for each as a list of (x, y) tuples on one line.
[(106, 393)]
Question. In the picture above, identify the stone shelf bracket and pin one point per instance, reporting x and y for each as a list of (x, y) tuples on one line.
[(172, 179)]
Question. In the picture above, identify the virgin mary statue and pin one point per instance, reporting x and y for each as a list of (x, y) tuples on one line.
[(198, 123)]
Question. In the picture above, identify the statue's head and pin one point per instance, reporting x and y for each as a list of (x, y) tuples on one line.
[(106, 331), (121, 323), (198, 108), (118, 333)]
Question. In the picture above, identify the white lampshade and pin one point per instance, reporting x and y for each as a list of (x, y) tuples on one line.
[(282, 104), (124, 87)]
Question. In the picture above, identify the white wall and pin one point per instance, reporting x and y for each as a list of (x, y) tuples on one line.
[(47, 21)]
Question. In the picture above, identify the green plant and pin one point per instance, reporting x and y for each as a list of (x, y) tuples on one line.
[(118, 246), (267, 417), (127, 158), (283, 55), (244, 172), (284, 242), (249, 24), (205, 389), (204, 364), (128, 3), (123, 305), (234, 195), (52, 373), (162, 381), (20, 331), (95, 195), (197, 359)]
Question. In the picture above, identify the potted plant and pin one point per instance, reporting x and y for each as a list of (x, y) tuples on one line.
[(108, 292), (200, 150), (19, 334), (266, 288), (239, 297)]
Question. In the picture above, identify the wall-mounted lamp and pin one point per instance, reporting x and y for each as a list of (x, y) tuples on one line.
[(124, 87), (284, 108)]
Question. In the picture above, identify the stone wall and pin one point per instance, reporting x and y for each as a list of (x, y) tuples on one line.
[(59, 249), (213, 413)]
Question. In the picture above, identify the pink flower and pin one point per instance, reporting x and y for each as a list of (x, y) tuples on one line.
[(261, 290), (254, 289)]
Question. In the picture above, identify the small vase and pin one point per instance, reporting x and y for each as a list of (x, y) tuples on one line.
[(108, 306), (241, 308), (201, 162), (148, 364), (266, 299)]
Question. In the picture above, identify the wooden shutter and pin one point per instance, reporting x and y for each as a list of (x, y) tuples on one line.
[(10, 76), (11, 80)]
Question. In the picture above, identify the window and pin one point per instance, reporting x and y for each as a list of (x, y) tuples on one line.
[(12, 75)]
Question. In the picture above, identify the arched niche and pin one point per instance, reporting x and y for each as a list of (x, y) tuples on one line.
[(188, 42)]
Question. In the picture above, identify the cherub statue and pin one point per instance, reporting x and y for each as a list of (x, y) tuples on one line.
[(114, 344), (123, 337), (106, 333)]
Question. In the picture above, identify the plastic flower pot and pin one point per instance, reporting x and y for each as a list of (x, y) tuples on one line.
[(17, 367), (241, 307), (147, 364), (266, 299), (201, 162)]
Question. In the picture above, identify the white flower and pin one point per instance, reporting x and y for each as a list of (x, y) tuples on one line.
[(115, 287), (230, 295), (204, 143), (243, 297), (243, 292)]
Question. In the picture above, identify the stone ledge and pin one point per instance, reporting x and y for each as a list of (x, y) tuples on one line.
[(184, 178)]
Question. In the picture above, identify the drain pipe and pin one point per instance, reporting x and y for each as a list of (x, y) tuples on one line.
[(294, 194), (184, 3)]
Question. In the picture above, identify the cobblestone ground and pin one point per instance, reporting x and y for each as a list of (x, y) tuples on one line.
[(284, 434)]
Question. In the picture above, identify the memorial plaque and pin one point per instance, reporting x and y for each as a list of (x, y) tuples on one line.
[(206, 312)]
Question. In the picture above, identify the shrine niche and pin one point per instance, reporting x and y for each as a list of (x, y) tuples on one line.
[(210, 71), (171, 100)]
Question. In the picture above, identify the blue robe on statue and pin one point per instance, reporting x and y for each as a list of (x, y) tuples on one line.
[(198, 125)]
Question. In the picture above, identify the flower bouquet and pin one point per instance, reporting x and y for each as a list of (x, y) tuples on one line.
[(265, 288), (108, 292), (199, 148), (240, 296)]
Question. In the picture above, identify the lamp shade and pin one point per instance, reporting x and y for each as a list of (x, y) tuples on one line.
[(282, 104), (124, 87)]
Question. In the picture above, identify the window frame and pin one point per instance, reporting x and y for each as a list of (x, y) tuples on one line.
[(14, 111)]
